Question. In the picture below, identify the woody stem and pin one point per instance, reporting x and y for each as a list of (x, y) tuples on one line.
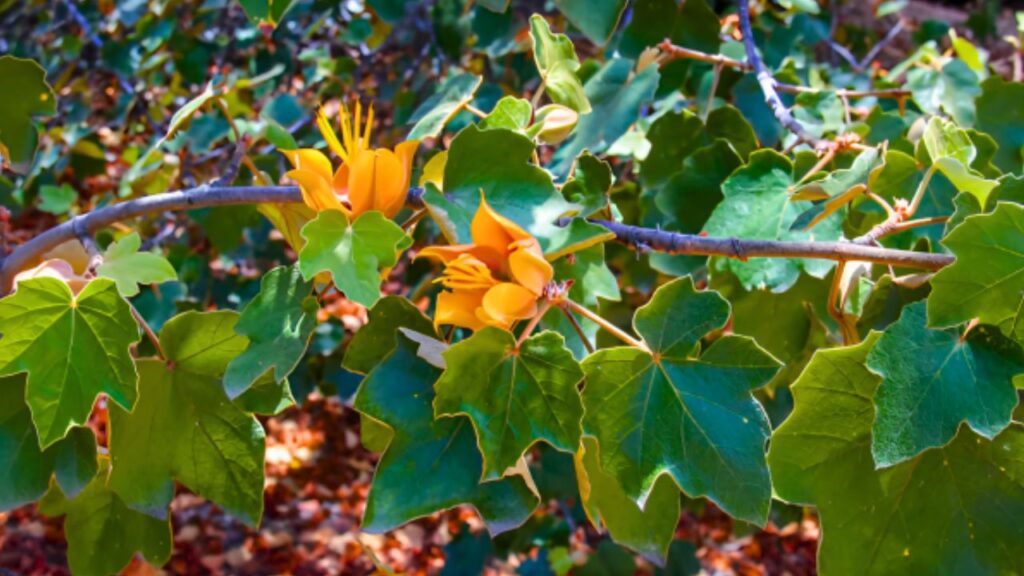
[(613, 329)]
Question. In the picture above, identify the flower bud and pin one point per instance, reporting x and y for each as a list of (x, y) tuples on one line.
[(557, 122)]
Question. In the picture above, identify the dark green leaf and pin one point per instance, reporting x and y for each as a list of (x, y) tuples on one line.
[(429, 465), (25, 96), (530, 394), (278, 323), (431, 116), (678, 413), (595, 19), (26, 470), (933, 381)]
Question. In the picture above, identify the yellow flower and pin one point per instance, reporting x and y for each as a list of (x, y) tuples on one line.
[(494, 281), (368, 179)]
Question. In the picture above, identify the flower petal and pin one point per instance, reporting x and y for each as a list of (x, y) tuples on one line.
[(316, 191), (310, 159), (458, 308), (324, 125), (361, 183), (508, 302), (494, 231), (528, 266), (406, 152), (391, 183), (445, 253)]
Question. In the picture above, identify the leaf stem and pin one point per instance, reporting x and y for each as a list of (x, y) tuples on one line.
[(153, 338), (545, 305), (475, 111), (612, 328), (579, 329), (921, 188)]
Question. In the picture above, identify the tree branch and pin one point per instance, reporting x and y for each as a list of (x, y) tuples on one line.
[(767, 82), (640, 238), (692, 244)]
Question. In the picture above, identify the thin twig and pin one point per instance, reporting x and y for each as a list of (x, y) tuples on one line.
[(711, 95), (673, 52), (877, 48), (768, 84)]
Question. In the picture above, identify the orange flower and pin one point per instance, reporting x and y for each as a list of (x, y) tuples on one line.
[(494, 281), (368, 179)]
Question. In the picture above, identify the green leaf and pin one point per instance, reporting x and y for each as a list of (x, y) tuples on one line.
[(691, 194), (728, 123), (556, 61), (953, 89), (430, 118), (125, 265), (266, 397), (820, 112), (933, 380), (757, 206), (590, 184), (498, 163), (530, 394), (952, 153), (673, 137), (596, 19), (391, 11), (25, 96), (429, 465), (616, 94), (57, 199), (693, 25), (987, 279), (184, 428), (27, 469), (675, 412), (834, 191), (355, 255), (73, 348), (103, 533), (510, 113), (266, 11), (278, 322), (648, 530), (1000, 116), (494, 5), (375, 340), (953, 509)]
